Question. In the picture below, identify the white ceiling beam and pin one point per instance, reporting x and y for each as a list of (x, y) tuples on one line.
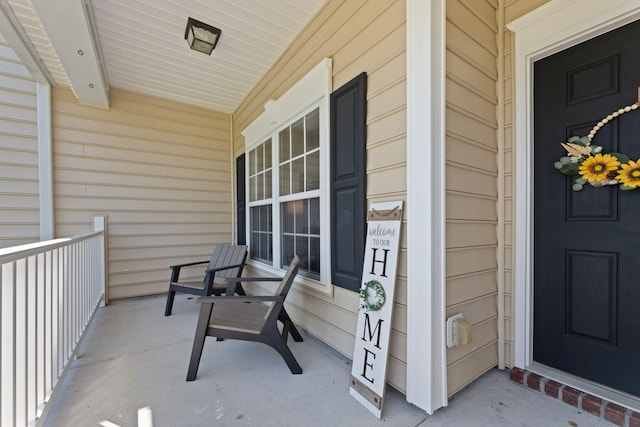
[(72, 31)]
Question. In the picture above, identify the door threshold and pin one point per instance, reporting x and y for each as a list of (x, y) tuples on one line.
[(589, 387)]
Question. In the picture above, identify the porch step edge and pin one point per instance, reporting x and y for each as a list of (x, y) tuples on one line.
[(606, 411)]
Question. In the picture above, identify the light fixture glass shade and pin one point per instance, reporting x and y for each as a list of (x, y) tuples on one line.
[(201, 37)]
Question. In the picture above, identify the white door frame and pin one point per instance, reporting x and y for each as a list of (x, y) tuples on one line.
[(551, 28)]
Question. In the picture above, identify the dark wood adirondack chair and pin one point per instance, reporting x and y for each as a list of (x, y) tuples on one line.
[(248, 318), (226, 262)]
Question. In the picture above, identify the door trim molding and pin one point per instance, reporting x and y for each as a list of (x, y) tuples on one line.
[(573, 22)]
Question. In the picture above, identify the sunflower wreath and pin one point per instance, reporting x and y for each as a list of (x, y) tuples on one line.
[(592, 166), (372, 296)]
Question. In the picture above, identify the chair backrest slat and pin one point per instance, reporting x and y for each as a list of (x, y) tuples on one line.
[(227, 254), (283, 288)]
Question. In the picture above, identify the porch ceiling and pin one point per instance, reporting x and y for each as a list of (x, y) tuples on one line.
[(139, 46)]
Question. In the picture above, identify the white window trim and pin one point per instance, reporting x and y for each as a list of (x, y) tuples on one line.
[(549, 29), (312, 90)]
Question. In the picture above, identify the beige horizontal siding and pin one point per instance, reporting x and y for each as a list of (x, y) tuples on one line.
[(471, 184), (19, 189), (158, 169), (358, 36)]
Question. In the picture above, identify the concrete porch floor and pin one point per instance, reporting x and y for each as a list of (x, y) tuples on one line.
[(134, 357)]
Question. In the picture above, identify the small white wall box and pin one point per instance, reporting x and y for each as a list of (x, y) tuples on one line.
[(458, 331)]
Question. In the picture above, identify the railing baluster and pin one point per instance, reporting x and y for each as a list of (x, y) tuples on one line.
[(31, 348), (48, 334), (20, 353), (40, 350), (7, 413)]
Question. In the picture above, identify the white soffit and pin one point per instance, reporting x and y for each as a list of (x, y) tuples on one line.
[(140, 45), (145, 51)]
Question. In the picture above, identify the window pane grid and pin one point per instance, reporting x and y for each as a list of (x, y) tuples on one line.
[(300, 231), (300, 157), (260, 175), (287, 173), (261, 233)]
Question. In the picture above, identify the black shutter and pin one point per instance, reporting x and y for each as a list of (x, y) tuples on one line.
[(348, 182), (241, 218)]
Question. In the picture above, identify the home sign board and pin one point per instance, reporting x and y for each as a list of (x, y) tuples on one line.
[(369, 370)]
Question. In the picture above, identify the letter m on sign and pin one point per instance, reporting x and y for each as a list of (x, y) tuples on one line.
[(376, 330)]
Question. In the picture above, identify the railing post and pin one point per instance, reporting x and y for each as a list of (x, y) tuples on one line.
[(100, 224)]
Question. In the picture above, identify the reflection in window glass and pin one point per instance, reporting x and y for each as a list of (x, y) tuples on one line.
[(267, 155), (314, 216), (313, 130), (260, 187), (297, 176), (297, 138), (301, 216), (313, 171), (260, 158), (253, 186), (285, 180), (268, 192), (285, 146)]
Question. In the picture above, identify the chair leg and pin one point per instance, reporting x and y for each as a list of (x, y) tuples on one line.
[(282, 348), (198, 340), (283, 316), (170, 296)]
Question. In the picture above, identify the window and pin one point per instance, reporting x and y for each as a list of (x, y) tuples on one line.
[(261, 212), (288, 180), (292, 199)]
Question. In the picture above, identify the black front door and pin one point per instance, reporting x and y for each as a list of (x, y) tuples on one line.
[(587, 244)]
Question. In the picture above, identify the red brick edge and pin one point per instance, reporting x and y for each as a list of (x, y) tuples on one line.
[(611, 412)]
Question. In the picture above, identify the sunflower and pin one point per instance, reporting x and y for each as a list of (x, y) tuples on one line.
[(596, 169), (629, 176)]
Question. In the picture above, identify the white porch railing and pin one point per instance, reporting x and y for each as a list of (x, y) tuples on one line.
[(48, 294)]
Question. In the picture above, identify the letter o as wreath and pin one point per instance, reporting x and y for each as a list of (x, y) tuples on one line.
[(372, 296)]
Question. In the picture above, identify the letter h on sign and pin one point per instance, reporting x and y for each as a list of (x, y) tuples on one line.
[(383, 262)]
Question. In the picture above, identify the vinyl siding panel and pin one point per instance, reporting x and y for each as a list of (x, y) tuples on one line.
[(19, 190), (471, 186), (513, 9), (159, 170), (358, 36)]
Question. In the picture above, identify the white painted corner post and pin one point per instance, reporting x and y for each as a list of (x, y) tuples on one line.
[(426, 347), (45, 162), (100, 224)]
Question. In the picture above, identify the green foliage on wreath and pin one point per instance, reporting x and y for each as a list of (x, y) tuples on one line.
[(372, 296)]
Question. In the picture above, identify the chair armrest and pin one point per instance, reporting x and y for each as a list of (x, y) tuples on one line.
[(189, 264), (254, 279), (232, 281), (226, 267), (175, 269), (239, 298)]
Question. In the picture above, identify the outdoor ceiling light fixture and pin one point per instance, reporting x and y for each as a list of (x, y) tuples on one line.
[(201, 37)]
